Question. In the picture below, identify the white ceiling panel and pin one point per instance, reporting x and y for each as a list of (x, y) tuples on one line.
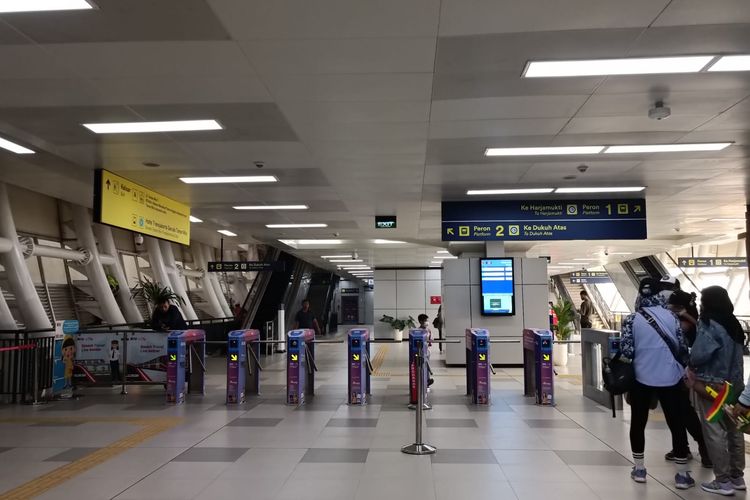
[(30, 61), (354, 112), (475, 176), (370, 149), (181, 90), (148, 59), (370, 87), (495, 128), (362, 131), (469, 17), (681, 103), (702, 39), (50, 92), (300, 19), (605, 125), (358, 55), (691, 12), (559, 106), (239, 154)]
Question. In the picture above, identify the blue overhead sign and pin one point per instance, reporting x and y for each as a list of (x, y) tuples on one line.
[(519, 220)]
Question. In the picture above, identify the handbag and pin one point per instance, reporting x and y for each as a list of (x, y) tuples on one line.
[(618, 374)]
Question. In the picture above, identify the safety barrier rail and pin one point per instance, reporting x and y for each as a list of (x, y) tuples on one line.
[(26, 364)]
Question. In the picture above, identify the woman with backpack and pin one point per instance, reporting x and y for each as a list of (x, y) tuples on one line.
[(651, 337), (716, 358)]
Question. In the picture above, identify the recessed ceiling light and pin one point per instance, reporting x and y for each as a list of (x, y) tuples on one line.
[(440, 262), (151, 127), (668, 148), (347, 256), (289, 226), (225, 232), (195, 219), (624, 66), (7, 6), (473, 192), (578, 264), (614, 189), (271, 207), (727, 219), (586, 260), (343, 260), (543, 151), (388, 242), (732, 63), (620, 253), (445, 257), (14, 148), (349, 268), (443, 251), (236, 179), (294, 243)]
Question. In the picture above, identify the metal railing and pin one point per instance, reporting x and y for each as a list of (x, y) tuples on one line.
[(26, 364), (600, 306)]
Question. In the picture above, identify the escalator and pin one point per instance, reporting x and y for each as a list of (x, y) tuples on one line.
[(644, 267), (320, 294), (264, 302)]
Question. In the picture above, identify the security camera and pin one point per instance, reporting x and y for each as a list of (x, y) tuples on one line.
[(582, 168), (138, 239), (606, 253), (336, 235), (659, 111), (259, 164)]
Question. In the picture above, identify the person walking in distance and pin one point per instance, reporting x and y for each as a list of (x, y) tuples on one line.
[(586, 310), (305, 318)]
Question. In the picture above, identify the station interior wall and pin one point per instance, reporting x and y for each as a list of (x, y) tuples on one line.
[(405, 292)]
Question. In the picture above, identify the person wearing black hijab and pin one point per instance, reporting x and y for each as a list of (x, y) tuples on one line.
[(716, 358)]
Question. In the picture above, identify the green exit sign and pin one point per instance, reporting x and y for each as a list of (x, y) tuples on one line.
[(385, 222)]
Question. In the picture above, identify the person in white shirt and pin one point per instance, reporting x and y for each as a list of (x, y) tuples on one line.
[(114, 361)]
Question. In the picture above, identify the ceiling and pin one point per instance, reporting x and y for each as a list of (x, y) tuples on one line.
[(363, 108)]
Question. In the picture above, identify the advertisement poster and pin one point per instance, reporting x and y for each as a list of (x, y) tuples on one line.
[(62, 370), (95, 352), (147, 357)]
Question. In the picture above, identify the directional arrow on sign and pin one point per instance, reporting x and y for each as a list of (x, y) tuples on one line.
[(450, 231), (545, 357), (636, 209), (482, 357), (294, 357), (172, 357), (234, 357), (355, 357)]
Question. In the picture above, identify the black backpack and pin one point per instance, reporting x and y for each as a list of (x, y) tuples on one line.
[(619, 377)]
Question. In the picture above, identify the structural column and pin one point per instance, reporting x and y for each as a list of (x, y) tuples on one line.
[(178, 285), (104, 235), (34, 316), (214, 280), (94, 270), (207, 288)]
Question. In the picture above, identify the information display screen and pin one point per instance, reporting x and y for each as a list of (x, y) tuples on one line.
[(498, 297)]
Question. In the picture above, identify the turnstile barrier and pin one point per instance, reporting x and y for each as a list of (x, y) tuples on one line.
[(186, 364), (538, 372), (243, 365), (358, 351), (478, 365), (300, 366)]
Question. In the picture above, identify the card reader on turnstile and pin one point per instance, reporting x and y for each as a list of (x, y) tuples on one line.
[(300, 367), (186, 364), (243, 365), (359, 366), (478, 365)]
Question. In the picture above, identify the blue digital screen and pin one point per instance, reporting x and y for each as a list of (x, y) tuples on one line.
[(498, 298)]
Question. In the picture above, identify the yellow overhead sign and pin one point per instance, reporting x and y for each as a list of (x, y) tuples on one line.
[(122, 203)]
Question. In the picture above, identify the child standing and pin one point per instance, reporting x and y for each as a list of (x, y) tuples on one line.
[(424, 325)]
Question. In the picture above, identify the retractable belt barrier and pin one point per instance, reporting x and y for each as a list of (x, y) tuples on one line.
[(243, 365), (538, 372), (186, 364), (478, 366), (359, 366)]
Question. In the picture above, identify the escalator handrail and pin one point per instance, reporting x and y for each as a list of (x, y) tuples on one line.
[(682, 271), (600, 306), (562, 292)]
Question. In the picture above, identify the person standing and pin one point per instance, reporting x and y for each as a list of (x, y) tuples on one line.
[(716, 358), (652, 339), (114, 361), (305, 318), (586, 310)]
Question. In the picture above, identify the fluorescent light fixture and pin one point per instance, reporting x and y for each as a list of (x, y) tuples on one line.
[(347, 256), (356, 266), (587, 260), (290, 226), (727, 219), (271, 207), (473, 192), (732, 63), (294, 243), (445, 257), (544, 151), (150, 127), (624, 66), (42, 5), (620, 253), (14, 148), (229, 180), (437, 262), (577, 264), (388, 242), (443, 251), (613, 189), (226, 232), (668, 148), (195, 219), (343, 260)]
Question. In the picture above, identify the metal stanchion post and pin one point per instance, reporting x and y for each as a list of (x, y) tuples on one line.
[(35, 352), (124, 390), (418, 447)]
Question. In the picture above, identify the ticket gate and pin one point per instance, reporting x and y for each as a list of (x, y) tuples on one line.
[(478, 365), (418, 343), (243, 365), (186, 364), (300, 366), (538, 372), (359, 366)]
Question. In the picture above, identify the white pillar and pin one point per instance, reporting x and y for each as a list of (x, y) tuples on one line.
[(494, 249), (239, 282), (199, 260), (178, 285), (214, 281), (6, 318), (104, 235), (32, 311), (94, 270)]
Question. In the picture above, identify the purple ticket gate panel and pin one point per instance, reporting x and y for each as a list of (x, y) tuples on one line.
[(300, 373), (478, 365), (359, 365), (418, 341), (186, 364), (243, 366), (538, 373)]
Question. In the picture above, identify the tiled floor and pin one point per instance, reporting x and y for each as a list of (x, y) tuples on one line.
[(328, 450)]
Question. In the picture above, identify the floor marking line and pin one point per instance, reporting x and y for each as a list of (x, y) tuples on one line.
[(378, 360), (151, 428)]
